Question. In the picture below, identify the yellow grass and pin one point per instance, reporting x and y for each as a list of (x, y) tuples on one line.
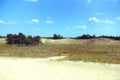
[(93, 50)]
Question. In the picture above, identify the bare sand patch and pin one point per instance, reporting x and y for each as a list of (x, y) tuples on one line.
[(44, 69), (2, 40), (62, 41)]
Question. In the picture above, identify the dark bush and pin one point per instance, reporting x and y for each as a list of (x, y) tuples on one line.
[(57, 36), (86, 36), (21, 39)]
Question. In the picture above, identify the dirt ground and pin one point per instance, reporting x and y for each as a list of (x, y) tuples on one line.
[(49, 69)]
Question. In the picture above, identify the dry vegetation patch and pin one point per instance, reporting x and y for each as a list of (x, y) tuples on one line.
[(95, 50)]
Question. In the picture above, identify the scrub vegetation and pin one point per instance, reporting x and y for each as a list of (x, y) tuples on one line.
[(103, 50)]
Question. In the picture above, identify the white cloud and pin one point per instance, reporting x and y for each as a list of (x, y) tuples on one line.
[(100, 13), (8, 22), (89, 1), (32, 0), (48, 17), (106, 21), (2, 22), (115, 0), (94, 19), (80, 27), (49, 21), (33, 21), (12, 22), (118, 18), (37, 29)]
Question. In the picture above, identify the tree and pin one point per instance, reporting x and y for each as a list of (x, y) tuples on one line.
[(21, 39), (36, 40), (85, 36), (10, 39), (28, 40), (55, 36)]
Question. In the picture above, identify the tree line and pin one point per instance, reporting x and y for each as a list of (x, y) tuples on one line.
[(21, 39), (87, 36)]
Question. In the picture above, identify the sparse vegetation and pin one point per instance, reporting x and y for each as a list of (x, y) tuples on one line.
[(94, 50)]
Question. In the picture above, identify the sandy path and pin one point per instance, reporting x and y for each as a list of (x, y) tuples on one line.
[(42, 69)]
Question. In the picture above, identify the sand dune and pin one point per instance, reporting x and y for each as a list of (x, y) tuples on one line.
[(44, 69), (99, 41)]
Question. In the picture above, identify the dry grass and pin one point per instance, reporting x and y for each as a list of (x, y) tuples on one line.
[(94, 50)]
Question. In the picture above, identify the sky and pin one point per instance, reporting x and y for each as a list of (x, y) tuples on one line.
[(69, 18)]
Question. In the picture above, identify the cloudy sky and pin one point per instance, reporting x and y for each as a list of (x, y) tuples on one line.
[(69, 18)]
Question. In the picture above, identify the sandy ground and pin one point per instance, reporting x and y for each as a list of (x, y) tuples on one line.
[(45, 69), (100, 41)]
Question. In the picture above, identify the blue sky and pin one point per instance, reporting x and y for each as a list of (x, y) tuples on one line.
[(70, 18)]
